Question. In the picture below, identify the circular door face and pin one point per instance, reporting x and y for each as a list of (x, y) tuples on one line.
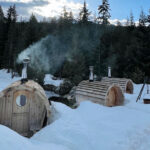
[(21, 100), (112, 97)]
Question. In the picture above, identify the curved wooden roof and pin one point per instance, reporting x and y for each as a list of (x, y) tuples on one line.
[(99, 92), (31, 86), (125, 84), (95, 89)]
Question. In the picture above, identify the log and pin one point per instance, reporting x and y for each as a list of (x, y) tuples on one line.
[(99, 92), (125, 84)]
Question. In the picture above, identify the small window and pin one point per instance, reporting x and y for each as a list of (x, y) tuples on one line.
[(21, 100)]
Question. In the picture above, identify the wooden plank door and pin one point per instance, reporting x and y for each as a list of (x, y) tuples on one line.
[(20, 113)]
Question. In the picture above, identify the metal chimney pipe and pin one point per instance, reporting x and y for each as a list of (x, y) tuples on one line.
[(24, 70), (91, 76), (109, 72)]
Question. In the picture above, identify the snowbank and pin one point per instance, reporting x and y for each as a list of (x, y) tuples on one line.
[(89, 127), (10, 140), (95, 127), (49, 80)]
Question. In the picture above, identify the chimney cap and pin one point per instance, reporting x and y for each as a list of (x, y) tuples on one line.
[(26, 60)]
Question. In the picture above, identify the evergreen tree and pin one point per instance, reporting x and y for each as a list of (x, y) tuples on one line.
[(70, 17), (148, 18), (9, 15), (127, 22), (65, 14), (10, 46), (1, 15), (131, 21), (32, 19), (142, 19), (32, 30), (104, 14), (119, 23), (14, 14), (2, 36), (84, 14), (64, 20)]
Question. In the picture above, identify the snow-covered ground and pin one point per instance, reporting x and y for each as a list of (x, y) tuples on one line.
[(89, 127), (49, 80)]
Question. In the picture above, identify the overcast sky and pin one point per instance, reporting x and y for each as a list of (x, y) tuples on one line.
[(120, 9)]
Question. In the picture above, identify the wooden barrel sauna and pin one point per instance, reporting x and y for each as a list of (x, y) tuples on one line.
[(125, 84), (24, 107), (99, 92)]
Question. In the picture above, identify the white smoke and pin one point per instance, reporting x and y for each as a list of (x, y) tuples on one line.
[(51, 52), (37, 55)]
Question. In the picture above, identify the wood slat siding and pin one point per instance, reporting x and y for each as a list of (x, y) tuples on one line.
[(5, 110), (27, 118), (37, 113), (82, 97), (99, 92), (125, 84), (91, 92), (20, 114), (92, 89)]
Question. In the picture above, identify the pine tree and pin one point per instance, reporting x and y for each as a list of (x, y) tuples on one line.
[(1, 15), (10, 46), (148, 18), (142, 19), (32, 31), (65, 13), (104, 14), (84, 14), (32, 19), (119, 23), (127, 22), (70, 17), (64, 20), (2, 37), (14, 14), (9, 15), (131, 21)]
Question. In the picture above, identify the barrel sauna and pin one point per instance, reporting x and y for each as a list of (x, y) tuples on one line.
[(24, 107), (125, 84), (99, 92)]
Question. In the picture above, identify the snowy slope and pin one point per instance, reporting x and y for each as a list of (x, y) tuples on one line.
[(89, 127)]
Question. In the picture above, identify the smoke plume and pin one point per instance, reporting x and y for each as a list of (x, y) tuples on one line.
[(45, 55), (49, 53)]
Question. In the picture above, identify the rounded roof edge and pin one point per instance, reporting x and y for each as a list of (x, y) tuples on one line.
[(28, 84)]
